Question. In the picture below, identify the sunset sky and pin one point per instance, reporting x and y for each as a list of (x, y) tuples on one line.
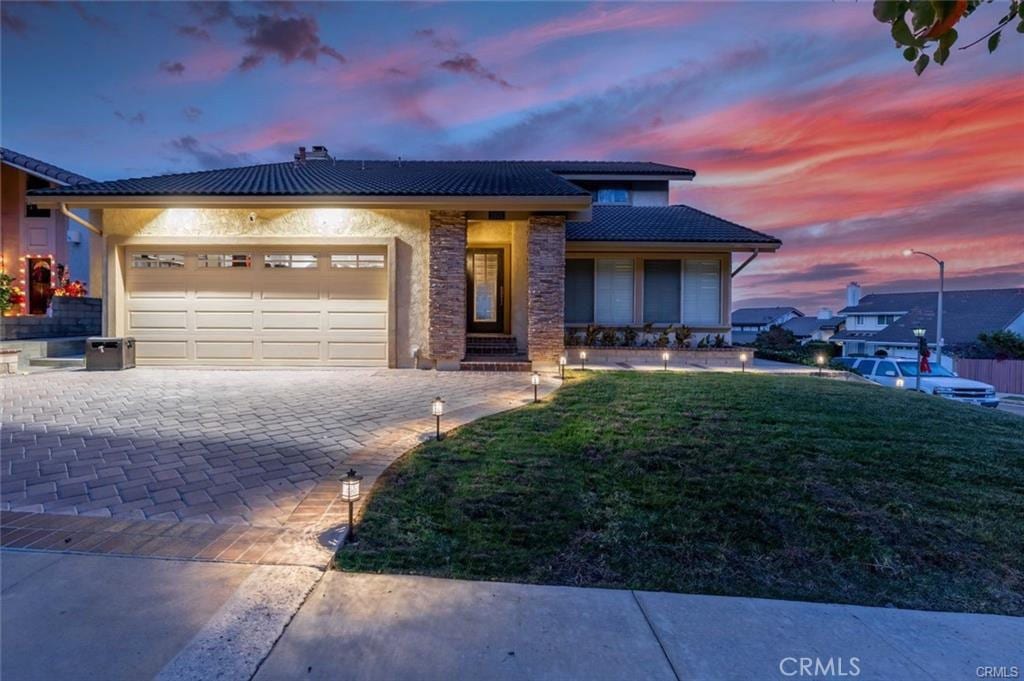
[(801, 119)]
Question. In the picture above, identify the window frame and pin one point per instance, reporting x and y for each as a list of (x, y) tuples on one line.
[(160, 261), (290, 262), (362, 261), (627, 202), (203, 261)]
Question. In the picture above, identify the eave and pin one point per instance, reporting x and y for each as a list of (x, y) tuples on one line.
[(706, 246)]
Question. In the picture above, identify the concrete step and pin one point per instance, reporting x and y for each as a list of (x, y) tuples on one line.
[(496, 363), (37, 348), (73, 362)]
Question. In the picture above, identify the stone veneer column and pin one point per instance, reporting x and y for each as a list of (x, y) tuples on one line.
[(447, 288), (545, 299)]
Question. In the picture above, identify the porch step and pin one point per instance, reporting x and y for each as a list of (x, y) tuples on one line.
[(58, 362), (496, 363), (491, 345)]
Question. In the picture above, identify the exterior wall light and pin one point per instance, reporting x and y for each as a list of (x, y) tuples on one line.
[(583, 360), (743, 362), (561, 367), (437, 409), (350, 493), (535, 380)]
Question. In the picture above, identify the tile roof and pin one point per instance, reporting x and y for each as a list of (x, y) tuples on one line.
[(42, 168), (661, 223), (761, 315), (332, 177), (965, 314), (889, 302), (806, 326)]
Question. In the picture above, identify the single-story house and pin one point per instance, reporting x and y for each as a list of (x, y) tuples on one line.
[(322, 261), (886, 321), (747, 322), (820, 328)]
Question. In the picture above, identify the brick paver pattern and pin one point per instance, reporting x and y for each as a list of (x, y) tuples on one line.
[(225, 447)]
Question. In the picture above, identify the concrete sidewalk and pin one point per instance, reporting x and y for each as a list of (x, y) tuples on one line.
[(356, 626)]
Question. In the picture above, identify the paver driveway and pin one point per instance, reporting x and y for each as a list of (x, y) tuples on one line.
[(209, 445)]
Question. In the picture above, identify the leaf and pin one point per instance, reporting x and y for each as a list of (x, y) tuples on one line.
[(922, 14), (921, 64), (1020, 10), (993, 41), (910, 54), (886, 10), (947, 39), (1020, 26), (902, 35), (941, 55)]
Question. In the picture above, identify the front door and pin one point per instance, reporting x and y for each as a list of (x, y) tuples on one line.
[(485, 290)]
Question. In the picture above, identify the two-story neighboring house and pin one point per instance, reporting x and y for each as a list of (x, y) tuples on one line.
[(886, 321), (747, 322)]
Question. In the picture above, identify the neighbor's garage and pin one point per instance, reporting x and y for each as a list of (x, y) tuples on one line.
[(259, 306)]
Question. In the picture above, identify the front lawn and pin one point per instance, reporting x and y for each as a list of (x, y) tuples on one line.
[(739, 484)]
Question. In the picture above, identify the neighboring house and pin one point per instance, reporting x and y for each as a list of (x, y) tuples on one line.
[(402, 263), (40, 233), (820, 328), (886, 321), (747, 322)]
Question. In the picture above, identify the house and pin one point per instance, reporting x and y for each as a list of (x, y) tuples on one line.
[(820, 328), (37, 241), (323, 261), (886, 321), (747, 322)]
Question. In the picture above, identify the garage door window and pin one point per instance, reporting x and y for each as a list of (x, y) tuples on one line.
[(157, 260), (357, 260), (300, 261), (218, 260)]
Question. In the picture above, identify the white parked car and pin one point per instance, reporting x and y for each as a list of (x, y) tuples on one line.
[(941, 381)]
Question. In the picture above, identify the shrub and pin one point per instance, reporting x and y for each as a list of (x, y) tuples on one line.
[(629, 337), (609, 337), (591, 335), (683, 335)]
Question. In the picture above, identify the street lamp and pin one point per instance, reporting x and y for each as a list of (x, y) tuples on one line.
[(561, 367), (820, 359), (942, 284), (535, 379), (743, 362), (583, 360), (664, 359), (919, 334), (437, 409), (350, 493)]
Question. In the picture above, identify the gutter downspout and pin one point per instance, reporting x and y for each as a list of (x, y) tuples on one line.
[(746, 262), (82, 221)]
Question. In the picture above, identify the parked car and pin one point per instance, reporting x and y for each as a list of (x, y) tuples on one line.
[(940, 381)]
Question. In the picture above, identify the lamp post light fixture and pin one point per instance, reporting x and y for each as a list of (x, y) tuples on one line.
[(350, 493), (535, 379), (820, 359), (743, 362), (583, 360), (919, 333), (664, 359), (561, 367), (437, 409), (907, 252)]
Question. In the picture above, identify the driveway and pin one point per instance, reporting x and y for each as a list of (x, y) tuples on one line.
[(123, 458)]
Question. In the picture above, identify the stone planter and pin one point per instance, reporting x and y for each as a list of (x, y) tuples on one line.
[(709, 357), (69, 318), (9, 361)]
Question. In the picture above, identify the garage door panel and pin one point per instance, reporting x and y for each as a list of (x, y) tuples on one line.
[(256, 315), (225, 319), (143, 320), (290, 349)]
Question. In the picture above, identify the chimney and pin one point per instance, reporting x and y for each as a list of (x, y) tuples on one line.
[(824, 313), (319, 153), (852, 294), (300, 155)]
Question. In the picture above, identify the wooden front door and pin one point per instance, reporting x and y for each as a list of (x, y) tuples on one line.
[(485, 290)]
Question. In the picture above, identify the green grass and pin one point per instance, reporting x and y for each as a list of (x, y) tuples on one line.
[(739, 484)]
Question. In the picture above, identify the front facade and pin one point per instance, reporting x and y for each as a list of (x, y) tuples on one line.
[(401, 264)]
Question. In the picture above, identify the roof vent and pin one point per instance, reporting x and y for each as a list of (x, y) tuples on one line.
[(317, 153)]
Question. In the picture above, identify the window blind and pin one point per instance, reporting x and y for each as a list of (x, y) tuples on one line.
[(702, 292), (614, 291), (579, 291), (662, 282)]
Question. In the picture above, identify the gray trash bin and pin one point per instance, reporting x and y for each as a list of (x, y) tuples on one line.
[(109, 354)]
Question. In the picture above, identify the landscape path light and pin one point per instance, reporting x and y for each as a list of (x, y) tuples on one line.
[(820, 359), (350, 493), (561, 367), (899, 383), (664, 359), (535, 379), (437, 409), (743, 362), (583, 360)]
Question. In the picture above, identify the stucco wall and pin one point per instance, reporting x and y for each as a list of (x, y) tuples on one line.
[(409, 227)]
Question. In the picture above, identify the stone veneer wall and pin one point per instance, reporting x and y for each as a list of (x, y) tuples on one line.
[(447, 288), (545, 245), (409, 227), (70, 318)]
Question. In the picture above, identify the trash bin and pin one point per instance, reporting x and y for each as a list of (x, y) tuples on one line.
[(109, 354)]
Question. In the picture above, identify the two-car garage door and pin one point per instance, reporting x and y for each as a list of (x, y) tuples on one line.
[(262, 306)]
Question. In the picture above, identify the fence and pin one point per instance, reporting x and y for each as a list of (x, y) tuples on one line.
[(1006, 375)]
